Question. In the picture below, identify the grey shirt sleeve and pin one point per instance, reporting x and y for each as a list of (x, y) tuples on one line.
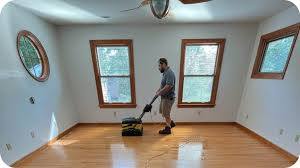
[(170, 79)]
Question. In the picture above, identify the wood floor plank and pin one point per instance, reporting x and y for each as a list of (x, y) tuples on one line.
[(199, 146)]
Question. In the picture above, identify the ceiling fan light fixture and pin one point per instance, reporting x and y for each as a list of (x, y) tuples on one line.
[(160, 8)]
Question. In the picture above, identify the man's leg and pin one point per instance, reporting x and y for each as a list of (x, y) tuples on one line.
[(168, 121), (165, 108)]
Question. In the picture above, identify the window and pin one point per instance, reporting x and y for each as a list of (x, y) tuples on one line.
[(33, 56), (274, 52), (114, 72), (201, 61)]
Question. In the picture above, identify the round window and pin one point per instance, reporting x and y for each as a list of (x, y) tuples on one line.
[(33, 56)]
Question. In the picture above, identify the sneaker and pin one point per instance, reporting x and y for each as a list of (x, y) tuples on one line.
[(167, 130), (172, 124)]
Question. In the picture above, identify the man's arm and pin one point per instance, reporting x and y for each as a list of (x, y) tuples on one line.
[(164, 90), (170, 82)]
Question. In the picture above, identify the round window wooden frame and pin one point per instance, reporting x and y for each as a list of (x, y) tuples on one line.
[(42, 54), (165, 12)]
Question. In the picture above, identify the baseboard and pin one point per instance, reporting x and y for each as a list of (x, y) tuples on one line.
[(98, 124), (205, 123), (149, 123), (17, 163), (290, 156)]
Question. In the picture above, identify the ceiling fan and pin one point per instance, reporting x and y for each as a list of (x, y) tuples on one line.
[(160, 8)]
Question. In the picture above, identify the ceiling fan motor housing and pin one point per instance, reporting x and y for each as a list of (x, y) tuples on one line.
[(160, 8)]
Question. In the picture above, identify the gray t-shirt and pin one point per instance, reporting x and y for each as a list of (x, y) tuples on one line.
[(168, 78)]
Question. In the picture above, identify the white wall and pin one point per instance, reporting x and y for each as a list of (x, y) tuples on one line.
[(272, 105), (150, 43), (53, 102)]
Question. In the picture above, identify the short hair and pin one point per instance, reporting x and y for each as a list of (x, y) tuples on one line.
[(163, 61)]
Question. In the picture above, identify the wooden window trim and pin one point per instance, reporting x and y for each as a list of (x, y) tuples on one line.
[(265, 39), (96, 43), (212, 103), (42, 53)]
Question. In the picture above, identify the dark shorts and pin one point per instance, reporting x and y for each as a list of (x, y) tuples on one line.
[(166, 106)]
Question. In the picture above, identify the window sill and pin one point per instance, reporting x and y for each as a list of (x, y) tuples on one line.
[(277, 76), (117, 105), (208, 105)]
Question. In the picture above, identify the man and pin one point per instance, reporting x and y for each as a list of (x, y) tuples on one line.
[(167, 93)]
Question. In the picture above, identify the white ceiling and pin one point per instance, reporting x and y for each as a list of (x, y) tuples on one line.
[(64, 12)]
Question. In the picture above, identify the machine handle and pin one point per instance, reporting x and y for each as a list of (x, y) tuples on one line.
[(154, 98), (148, 107)]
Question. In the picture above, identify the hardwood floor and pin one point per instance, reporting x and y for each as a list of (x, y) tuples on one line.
[(199, 146)]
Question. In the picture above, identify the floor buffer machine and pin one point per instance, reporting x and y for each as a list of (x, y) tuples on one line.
[(134, 126)]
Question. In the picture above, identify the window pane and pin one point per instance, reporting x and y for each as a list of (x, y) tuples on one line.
[(116, 90), (197, 89), (38, 70), (113, 60), (30, 56), (276, 55), (200, 59)]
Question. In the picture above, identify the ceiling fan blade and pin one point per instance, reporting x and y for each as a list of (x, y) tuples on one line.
[(144, 3), (131, 9), (193, 1)]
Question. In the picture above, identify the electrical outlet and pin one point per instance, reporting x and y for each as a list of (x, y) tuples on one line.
[(281, 131), (32, 135), (115, 114), (199, 112), (297, 138), (8, 147)]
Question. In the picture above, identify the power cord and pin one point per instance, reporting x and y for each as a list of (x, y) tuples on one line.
[(159, 124), (186, 141)]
